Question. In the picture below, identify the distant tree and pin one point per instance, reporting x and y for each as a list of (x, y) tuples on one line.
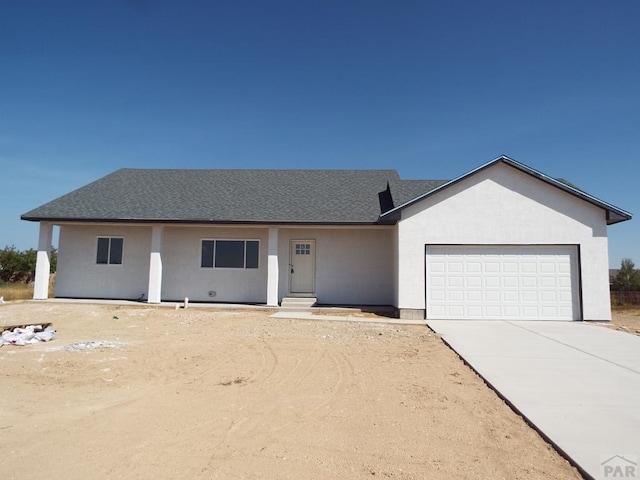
[(627, 278), (53, 260), (17, 266)]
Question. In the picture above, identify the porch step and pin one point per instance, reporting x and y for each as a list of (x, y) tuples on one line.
[(301, 303)]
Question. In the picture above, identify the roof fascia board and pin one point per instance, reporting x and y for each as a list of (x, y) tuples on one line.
[(621, 214), (165, 221)]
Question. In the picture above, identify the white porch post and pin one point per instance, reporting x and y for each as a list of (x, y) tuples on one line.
[(155, 266), (43, 265), (272, 268)]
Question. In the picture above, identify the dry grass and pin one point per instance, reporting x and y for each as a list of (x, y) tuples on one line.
[(626, 318), (23, 291), (16, 291)]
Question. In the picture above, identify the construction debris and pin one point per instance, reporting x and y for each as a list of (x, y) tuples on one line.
[(27, 334)]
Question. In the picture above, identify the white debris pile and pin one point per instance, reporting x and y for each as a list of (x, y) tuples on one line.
[(26, 335), (84, 346)]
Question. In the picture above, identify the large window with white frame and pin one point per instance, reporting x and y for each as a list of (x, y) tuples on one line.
[(109, 250), (230, 254)]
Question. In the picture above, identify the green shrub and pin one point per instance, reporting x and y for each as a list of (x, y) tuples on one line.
[(17, 266)]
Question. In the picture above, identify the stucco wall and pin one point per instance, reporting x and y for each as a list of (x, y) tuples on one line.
[(78, 275), (501, 205), (353, 266), (183, 277)]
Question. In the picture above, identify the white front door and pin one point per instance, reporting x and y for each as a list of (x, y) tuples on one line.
[(303, 266)]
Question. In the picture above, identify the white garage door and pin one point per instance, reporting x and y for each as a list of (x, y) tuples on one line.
[(502, 282)]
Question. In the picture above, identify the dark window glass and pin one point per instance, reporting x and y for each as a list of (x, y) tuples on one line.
[(207, 253), (229, 254), (115, 252), (103, 251), (252, 254), (109, 251)]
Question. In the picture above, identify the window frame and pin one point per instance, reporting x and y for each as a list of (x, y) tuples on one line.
[(109, 251), (214, 250)]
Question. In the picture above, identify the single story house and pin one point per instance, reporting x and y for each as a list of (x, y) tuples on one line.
[(503, 241)]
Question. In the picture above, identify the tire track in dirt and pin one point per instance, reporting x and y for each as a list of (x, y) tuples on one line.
[(281, 405)]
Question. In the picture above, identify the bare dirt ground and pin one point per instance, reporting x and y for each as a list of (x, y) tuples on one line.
[(626, 319), (211, 394)]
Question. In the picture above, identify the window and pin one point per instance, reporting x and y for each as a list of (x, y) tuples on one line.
[(303, 249), (109, 250), (230, 254)]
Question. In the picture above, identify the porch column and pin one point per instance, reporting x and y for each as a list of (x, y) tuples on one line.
[(43, 265), (272, 268), (155, 266)]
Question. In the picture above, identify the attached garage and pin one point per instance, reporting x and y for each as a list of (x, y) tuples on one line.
[(503, 282)]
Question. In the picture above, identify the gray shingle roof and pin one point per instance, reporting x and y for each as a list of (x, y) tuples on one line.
[(224, 196)]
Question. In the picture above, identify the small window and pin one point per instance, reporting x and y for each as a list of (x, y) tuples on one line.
[(303, 249), (109, 250), (230, 254)]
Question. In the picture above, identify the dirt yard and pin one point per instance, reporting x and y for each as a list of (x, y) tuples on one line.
[(626, 319), (140, 392)]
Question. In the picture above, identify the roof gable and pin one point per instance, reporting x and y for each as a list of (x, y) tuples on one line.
[(614, 214)]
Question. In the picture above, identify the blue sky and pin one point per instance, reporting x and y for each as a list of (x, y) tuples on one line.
[(431, 88)]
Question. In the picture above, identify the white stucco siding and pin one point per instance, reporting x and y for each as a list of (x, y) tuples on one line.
[(184, 277), (353, 265), (78, 274), (396, 283), (503, 206)]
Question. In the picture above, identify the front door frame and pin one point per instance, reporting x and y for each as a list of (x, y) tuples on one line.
[(292, 246)]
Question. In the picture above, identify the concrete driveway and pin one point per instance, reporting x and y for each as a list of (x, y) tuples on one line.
[(577, 383)]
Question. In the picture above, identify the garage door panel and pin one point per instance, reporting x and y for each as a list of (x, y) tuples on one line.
[(474, 281), (455, 267), (564, 282), (510, 267), (473, 266), (492, 296), (510, 281), (548, 282), (491, 267), (509, 312), (455, 295), (550, 297), (474, 295), (503, 282), (510, 296), (565, 268), (564, 296), (437, 267)]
